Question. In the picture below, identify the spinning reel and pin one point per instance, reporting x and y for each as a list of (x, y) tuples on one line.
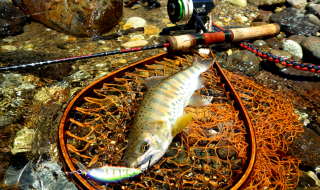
[(193, 12)]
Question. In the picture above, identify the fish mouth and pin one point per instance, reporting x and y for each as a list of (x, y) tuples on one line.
[(149, 158)]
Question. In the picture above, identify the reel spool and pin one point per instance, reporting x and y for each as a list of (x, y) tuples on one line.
[(182, 10)]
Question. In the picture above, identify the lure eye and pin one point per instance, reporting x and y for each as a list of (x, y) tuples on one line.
[(144, 147)]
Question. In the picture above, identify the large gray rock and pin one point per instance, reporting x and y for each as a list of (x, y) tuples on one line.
[(293, 22)]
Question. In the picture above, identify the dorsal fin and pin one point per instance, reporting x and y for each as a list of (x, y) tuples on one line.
[(151, 81)]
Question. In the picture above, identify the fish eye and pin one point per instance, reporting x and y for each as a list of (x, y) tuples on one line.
[(144, 147)]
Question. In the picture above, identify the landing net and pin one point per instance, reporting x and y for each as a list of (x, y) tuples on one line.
[(209, 154)]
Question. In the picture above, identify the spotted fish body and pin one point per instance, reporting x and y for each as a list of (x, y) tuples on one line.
[(160, 115), (109, 174)]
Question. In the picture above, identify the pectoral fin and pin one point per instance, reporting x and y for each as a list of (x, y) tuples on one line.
[(181, 123), (151, 81), (198, 100)]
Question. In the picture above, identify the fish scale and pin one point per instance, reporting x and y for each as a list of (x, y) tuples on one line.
[(160, 115)]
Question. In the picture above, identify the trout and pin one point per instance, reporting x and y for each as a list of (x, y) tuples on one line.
[(160, 116)]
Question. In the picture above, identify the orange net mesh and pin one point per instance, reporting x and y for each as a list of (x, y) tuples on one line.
[(209, 154)]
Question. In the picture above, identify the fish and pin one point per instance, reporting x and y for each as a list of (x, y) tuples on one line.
[(160, 115)]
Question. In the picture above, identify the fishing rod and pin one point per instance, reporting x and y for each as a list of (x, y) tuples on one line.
[(174, 43)]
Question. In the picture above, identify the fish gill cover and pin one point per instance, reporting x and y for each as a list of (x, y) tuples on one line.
[(209, 154)]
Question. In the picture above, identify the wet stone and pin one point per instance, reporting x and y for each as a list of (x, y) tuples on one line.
[(271, 2), (306, 147), (245, 61), (224, 150), (313, 9), (273, 43), (311, 47), (8, 26), (292, 21), (297, 38), (81, 18), (298, 4), (11, 79), (259, 43), (23, 141), (135, 22), (263, 16), (313, 19), (283, 54), (292, 47), (240, 3)]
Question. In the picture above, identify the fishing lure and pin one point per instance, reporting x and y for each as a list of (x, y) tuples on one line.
[(108, 174)]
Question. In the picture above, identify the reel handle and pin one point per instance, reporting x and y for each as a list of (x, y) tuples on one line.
[(188, 41)]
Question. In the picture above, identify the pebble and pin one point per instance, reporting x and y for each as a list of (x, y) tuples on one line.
[(274, 43), (11, 80), (259, 43), (313, 9), (283, 54), (242, 19), (22, 141), (9, 47), (297, 38), (245, 61), (8, 40), (298, 4), (151, 30), (313, 19), (311, 47), (135, 22), (136, 6), (271, 2), (137, 37), (80, 75), (293, 21), (133, 44), (240, 3), (292, 47)]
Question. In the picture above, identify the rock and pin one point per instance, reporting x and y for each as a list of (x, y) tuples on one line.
[(263, 16), (8, 26), (313, 9), (271, 2), (23, 140), (274, 43), (245, 61), (11, 80), (9, 47), (240, 3), (80, 75), (283, 54), (298, 4), (313, 19), (135, 22), (254, 2), (151, 30), (292, 21), (81, 17), (137, 37), (311, 47), (132, 44), (292, 47), (224, 152), (259, 43), (306, 147), (297, 38)]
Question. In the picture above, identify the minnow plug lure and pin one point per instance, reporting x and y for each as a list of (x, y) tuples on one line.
[(108, 174)]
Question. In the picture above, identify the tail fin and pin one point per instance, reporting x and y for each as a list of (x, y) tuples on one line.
[(205, 65)]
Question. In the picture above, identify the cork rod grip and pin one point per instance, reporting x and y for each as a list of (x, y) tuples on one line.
[(240, 34)]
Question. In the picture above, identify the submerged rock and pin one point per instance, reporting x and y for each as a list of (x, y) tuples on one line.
[(293, 21), (12, 19), (81, 18), (306, 147), (245, 61)]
